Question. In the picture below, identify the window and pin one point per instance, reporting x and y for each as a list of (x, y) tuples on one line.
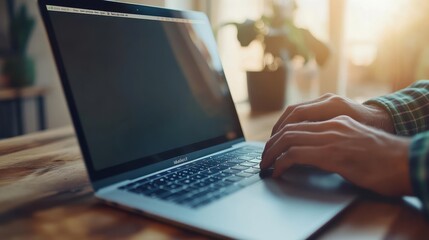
[(311, 14), (235, 59), (376, 46), (366, 23)]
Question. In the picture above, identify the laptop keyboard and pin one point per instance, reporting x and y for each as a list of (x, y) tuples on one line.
[(204, 181)]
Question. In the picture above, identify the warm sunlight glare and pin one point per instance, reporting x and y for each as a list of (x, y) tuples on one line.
[(366, 22)]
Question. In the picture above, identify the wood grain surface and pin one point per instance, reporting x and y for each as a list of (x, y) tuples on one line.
[(45, 194)]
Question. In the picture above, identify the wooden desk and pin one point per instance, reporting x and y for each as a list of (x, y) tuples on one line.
[(45, 194)]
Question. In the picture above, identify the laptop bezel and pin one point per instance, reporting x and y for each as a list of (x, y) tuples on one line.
[(100, 178)]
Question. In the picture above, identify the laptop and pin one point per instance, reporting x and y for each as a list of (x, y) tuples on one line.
[(158, 129)]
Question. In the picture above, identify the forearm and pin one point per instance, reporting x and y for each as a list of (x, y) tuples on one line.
[(406, 112), (408, 108)]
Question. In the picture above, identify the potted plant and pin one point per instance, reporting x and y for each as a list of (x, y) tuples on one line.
[(19, 67), (281, 41)]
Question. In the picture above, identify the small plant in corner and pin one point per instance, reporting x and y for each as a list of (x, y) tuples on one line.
[(19, 67)]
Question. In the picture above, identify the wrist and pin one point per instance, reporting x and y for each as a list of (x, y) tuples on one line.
[(380, 118)]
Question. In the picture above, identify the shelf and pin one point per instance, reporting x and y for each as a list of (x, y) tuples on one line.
[(27, 92)]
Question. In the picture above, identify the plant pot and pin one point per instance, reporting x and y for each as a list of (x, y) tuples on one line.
[(267, 89), (20, 71)]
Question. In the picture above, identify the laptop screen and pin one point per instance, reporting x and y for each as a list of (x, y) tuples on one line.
[(145, 87)]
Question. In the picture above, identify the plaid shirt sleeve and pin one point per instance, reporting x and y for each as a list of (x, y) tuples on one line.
[(409, 109)]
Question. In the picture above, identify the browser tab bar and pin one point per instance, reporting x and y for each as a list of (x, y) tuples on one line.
[(53, 8)]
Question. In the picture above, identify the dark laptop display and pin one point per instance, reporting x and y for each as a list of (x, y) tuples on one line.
[(145, 88)]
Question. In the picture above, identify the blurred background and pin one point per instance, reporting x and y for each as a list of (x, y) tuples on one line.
[(373, 47)]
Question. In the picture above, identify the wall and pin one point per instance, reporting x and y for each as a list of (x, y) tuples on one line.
[(46, 75)]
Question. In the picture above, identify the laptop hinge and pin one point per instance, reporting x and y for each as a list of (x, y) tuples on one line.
[(164, 164)]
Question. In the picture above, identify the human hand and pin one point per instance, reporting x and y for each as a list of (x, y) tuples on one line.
[(329, 106), (365, 156)]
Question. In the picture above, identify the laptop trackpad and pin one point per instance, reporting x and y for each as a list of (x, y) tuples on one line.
[(292, 207), (310, 182)]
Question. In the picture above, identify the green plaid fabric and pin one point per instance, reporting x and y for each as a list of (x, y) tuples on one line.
[(409, 109), (419, 168)]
